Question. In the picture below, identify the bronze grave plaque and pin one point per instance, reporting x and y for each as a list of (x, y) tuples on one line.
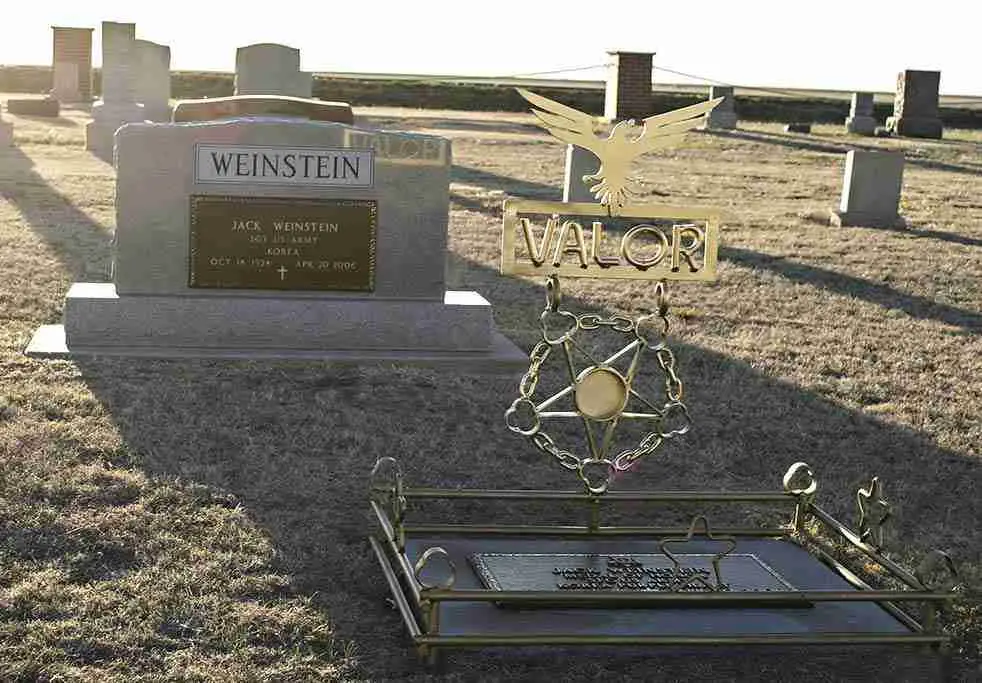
[(562, 572), (282, 243)]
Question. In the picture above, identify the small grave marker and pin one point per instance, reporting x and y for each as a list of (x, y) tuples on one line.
[(871, 190)]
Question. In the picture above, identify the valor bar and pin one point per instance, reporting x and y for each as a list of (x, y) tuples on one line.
[(641, 242)]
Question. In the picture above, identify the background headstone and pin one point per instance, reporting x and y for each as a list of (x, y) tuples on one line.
[(579, 162), (798, 127), (871, 190), (628, 93), (270, 69), (723, 116), (279, 106), (118, 104), (170, 175), (861, 120), (915, 106), (71, 64), (34, 106), (153, 80)]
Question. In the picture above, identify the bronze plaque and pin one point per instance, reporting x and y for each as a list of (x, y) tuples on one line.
[(282, 243), (635, 572)]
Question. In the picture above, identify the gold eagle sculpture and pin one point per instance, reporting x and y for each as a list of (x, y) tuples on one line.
[(624, 142)]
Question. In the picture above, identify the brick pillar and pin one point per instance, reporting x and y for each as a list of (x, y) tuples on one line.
[(629, 86), (71, 63)]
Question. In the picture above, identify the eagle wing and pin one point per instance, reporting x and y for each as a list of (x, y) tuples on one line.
[(568, 124), (664, 130)]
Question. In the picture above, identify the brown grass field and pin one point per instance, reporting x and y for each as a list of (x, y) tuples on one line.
[(207, 521)]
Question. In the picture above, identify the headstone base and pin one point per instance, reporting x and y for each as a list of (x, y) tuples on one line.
[(861, 125), (106, 120), (915, 127), (98, 321), (841, 219), (725, 120), (6, 134)]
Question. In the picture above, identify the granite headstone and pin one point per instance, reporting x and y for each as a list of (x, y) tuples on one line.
[(118, 104), (861, 120), (871, 190), (723, 116), (280, 238), (270, 69), (915, 107), (153, 80)]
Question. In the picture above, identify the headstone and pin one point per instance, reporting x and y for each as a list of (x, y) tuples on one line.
[(6, 131), (871, 190), (153, 80), (798, 127), (723, 116), (270, 69), (34, 106), (861, 120), (579, 162), (71, 64), (118, 104), (280, 238), (64, 82), (279, 106), (915, 107), (628, 93)]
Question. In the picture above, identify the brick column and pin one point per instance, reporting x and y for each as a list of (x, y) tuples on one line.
[(629, 86), (71, 63)]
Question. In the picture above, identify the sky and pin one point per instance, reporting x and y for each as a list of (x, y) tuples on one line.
[(828, 44)]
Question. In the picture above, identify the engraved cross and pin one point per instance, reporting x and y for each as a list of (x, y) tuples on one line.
[(282, 271)]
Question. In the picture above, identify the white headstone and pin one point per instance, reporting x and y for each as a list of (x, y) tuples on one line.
[(861, 120), (579, 162), (871, 189), (153, 80), (270, 69), (281, 238), (118, 104)]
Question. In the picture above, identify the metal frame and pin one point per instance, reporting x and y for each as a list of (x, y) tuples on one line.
[(419, 602)]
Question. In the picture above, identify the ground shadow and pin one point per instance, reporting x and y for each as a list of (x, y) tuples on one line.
[(293, 442), (828, 147), (495, 182), (886, 296), (81, 244)]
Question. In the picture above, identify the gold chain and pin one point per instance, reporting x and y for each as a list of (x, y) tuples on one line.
[(650, 332)]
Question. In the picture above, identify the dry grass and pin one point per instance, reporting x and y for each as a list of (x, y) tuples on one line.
[(206, 521)]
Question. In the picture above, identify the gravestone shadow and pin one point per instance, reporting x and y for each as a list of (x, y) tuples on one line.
[(825, 145)]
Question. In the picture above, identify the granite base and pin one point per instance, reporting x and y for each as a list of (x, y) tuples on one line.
[(861, 125), (840, 219), (457, 331)]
